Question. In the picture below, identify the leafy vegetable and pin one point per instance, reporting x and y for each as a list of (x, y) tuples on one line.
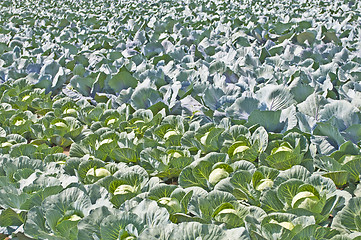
[(180, 120)]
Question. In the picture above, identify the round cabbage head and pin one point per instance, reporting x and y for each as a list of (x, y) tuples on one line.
[(265, 183), (99, 172), (240, 149), (217, 175), (307, 200), (124, 189), (171, 202), (170, 133)]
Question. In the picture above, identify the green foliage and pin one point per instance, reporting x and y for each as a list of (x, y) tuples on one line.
[(180, 120)]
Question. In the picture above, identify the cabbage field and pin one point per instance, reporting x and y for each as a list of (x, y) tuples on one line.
[(180, 120)]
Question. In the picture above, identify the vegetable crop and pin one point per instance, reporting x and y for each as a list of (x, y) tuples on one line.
[(181, 120)]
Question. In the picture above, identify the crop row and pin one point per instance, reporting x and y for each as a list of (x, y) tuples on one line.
[(180, 120)]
